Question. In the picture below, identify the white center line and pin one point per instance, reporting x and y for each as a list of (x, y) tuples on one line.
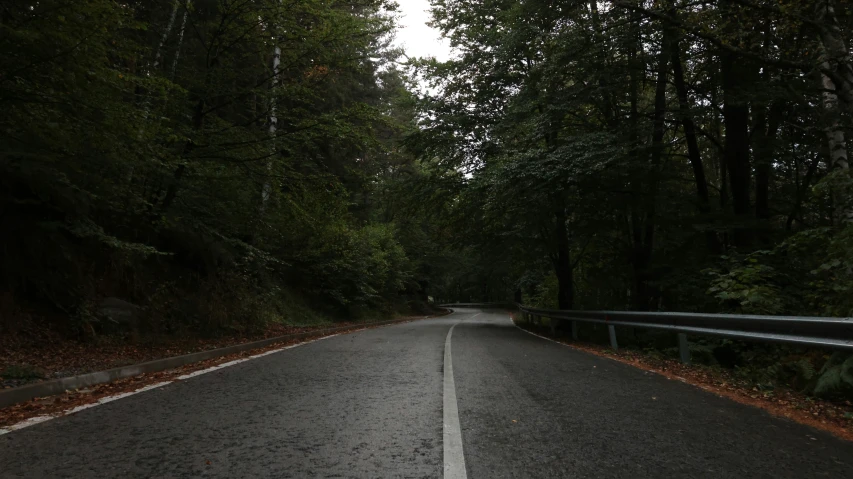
[(454, 458)]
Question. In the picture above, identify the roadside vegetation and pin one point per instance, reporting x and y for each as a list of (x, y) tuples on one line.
[(186, 167), (179, 174)]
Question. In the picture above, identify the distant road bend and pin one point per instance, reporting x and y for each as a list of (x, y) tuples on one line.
[(467, 395)]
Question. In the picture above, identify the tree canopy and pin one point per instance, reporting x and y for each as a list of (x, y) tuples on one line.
[(642, 155), (172, 152), (646, 155)]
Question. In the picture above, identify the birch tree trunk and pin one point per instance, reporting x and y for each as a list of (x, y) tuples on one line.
[(836, 81), (266, 190), (166, 32), (834, 130), (180, 39), (837, 150), (146, 104), (837, 68)]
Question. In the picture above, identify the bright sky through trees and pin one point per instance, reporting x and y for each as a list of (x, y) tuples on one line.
[(419, 39)]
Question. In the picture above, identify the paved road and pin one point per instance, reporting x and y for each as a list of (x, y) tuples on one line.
[(372, 404)]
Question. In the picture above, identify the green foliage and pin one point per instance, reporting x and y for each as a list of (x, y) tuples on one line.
[(159, 132), (544, 294), (825, 257), (836, 377), (747, 286), (358, 268), (799, 372), (809, 273)]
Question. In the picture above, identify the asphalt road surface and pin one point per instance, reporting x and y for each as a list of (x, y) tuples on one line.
[(394, 402)]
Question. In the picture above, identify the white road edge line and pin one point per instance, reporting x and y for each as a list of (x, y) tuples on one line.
[(454, 457), (104, 400), (538, 336), (552, 340), (555, 341)]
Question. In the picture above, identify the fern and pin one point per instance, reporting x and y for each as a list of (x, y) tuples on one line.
[(805, 370), (836, 376)]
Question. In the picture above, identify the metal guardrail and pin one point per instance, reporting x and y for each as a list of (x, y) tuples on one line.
[(834, 333)]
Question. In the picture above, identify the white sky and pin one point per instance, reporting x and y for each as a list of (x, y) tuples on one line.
[(415, 36)]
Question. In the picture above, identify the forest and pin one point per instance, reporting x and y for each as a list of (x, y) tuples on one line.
[(227, 163), (219, 163)]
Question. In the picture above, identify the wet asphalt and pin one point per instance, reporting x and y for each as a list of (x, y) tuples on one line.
[(369, 405)]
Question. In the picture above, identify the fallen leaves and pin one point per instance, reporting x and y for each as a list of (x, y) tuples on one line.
[(48, 355)]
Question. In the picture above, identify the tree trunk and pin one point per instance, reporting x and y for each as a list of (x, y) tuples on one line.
[(599, 40), (172, 190), (693, 152), (735, 74), (180, 39), (644, 243), (266, 190), (720, 164), (764, 148), (837, 143), (658, 130), (802, 188), (639, 253), (166, 32), (837, 68), (836, 81), (146, 104), (834, 130), (563, 263)]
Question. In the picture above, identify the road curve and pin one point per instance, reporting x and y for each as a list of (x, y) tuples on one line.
[(374, 404)]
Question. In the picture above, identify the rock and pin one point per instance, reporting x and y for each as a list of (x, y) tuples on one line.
[(120, 312)]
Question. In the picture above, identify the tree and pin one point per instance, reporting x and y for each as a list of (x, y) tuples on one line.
[(704, 121)]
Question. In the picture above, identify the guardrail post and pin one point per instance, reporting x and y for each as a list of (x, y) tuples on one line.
[(574, 330), (612, 330), (683, 348), (553, 323)]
